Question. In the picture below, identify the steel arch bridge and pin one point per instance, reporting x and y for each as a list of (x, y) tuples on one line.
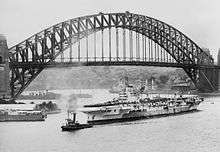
[(138, 40)]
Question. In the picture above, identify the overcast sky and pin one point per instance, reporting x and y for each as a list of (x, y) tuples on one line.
[(198, 19)]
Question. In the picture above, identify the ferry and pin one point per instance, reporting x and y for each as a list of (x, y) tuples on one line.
[(130, 105)]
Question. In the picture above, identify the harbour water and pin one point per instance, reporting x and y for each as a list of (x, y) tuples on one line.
[(193, 132)]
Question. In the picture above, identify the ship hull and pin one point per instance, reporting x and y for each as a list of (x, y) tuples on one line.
[(75, 127), (21, 118), (132, 116)]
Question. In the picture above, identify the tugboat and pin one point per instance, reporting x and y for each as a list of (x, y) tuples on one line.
[(72, 124)]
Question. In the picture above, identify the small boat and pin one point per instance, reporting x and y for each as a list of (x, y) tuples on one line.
[(72, 124)]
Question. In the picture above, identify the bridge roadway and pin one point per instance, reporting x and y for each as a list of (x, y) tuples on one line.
[(109, 63)]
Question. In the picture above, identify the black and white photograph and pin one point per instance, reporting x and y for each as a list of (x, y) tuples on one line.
[(109, 76)]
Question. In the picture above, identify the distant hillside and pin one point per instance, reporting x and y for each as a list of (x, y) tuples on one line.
[(98, 77)]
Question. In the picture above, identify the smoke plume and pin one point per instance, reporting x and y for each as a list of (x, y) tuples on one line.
[(72, 103)]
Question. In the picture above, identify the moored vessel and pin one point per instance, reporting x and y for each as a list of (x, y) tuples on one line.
[(21, 115)]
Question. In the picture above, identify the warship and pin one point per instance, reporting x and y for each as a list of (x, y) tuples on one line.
[(133, 105)]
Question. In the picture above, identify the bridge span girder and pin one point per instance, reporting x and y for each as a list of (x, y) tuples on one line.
[(198, 76)]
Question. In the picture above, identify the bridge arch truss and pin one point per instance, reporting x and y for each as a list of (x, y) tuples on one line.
[(171, 47)]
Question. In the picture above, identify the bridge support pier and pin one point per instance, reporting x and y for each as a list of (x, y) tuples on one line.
[(4, 69), (208, 80), (218, 82)]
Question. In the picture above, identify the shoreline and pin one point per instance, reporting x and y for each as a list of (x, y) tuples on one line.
[(211, 94)]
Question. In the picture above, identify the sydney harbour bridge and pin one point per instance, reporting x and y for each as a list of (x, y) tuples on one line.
[(107, 39)]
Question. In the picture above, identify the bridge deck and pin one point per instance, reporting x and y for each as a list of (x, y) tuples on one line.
[(109, 63)]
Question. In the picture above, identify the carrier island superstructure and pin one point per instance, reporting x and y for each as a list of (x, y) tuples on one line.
[(131, 105)]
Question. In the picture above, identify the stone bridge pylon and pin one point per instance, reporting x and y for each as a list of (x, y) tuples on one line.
[(4, 69)]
